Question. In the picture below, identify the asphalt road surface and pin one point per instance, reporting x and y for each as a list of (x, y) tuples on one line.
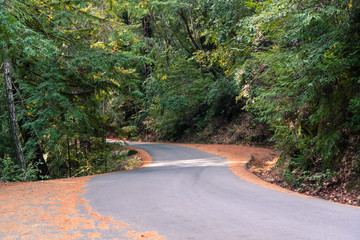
[(189, 194)]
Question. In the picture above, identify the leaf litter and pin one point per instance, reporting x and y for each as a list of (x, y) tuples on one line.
[(54, 209)]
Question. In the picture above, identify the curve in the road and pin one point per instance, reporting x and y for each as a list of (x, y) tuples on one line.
[(189, 194)]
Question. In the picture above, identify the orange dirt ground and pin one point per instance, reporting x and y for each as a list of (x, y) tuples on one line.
[(54, 209)]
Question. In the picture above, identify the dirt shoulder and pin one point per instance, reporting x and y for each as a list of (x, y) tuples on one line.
[(239, 156), (54, 209), (261, 171)]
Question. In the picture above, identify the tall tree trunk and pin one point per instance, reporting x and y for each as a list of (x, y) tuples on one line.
[(28, 135), (183, 17), (12, 112)]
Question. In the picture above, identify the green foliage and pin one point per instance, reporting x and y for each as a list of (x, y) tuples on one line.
[(85, 68), (11, 172), (190, 79), (302, 78), (5, 136), (69, 60), (133, 163), (130, 132), (176, 95), (354, 108), (303, 180)]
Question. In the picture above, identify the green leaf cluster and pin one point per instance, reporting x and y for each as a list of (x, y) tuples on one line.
[(303, 77), (69, 59)]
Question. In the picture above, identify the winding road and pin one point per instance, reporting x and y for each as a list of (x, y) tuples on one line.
[(189, 194)]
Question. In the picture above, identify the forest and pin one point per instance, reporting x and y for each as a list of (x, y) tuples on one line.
[(282, 73)]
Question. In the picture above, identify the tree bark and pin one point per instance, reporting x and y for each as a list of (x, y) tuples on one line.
[(27, 135), (183, 17), (12, 112)]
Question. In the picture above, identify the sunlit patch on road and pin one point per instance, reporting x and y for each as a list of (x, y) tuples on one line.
[(201, 162)]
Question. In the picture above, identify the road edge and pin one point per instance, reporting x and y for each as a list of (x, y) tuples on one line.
[(145, 156), (239, 165)]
